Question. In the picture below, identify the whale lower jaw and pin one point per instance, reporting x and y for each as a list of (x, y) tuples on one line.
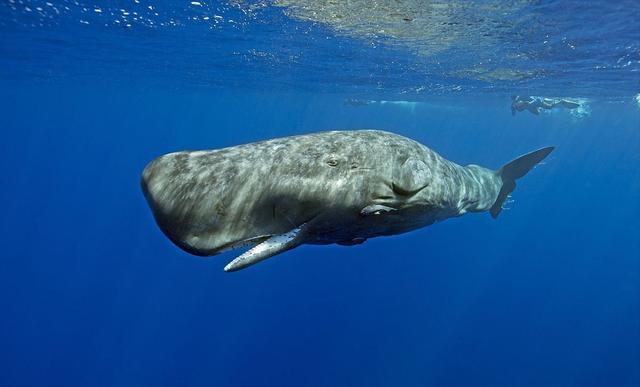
[(275, 244)]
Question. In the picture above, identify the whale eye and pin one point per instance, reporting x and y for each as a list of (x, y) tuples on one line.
[(332, 161)]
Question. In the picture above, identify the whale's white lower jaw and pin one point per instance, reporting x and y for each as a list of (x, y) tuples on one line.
[(272, 246)]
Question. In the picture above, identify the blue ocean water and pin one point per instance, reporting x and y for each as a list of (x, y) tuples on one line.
[(92, 293)]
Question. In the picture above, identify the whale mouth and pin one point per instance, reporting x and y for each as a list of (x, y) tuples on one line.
[(199, 246), (242, 243)]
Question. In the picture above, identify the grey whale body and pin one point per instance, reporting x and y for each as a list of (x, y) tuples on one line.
[(330, 187)]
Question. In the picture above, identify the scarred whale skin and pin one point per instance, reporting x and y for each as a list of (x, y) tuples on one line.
[(330, 187)]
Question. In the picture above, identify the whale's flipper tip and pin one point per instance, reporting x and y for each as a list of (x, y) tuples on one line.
[(276, 244), (514, 170)]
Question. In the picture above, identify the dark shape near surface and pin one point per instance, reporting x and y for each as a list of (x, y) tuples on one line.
[(339, 187), (536, 105)]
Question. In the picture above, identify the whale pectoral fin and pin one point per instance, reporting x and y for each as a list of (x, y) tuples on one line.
[(274, 245), (376, 209)]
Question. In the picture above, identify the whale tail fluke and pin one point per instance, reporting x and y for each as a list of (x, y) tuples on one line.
[(514, 170)]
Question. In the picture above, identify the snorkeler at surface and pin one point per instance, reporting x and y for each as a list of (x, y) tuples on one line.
[(536, 104)]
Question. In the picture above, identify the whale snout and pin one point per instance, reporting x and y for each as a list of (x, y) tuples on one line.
[(158, 190), (151, 181), (156, 177), (147, 175), (183, 205)]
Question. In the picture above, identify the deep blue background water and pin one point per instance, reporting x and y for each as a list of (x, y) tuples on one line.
[(91, 292)]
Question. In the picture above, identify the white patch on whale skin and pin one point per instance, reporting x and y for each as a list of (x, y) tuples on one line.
[(274, 245)]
